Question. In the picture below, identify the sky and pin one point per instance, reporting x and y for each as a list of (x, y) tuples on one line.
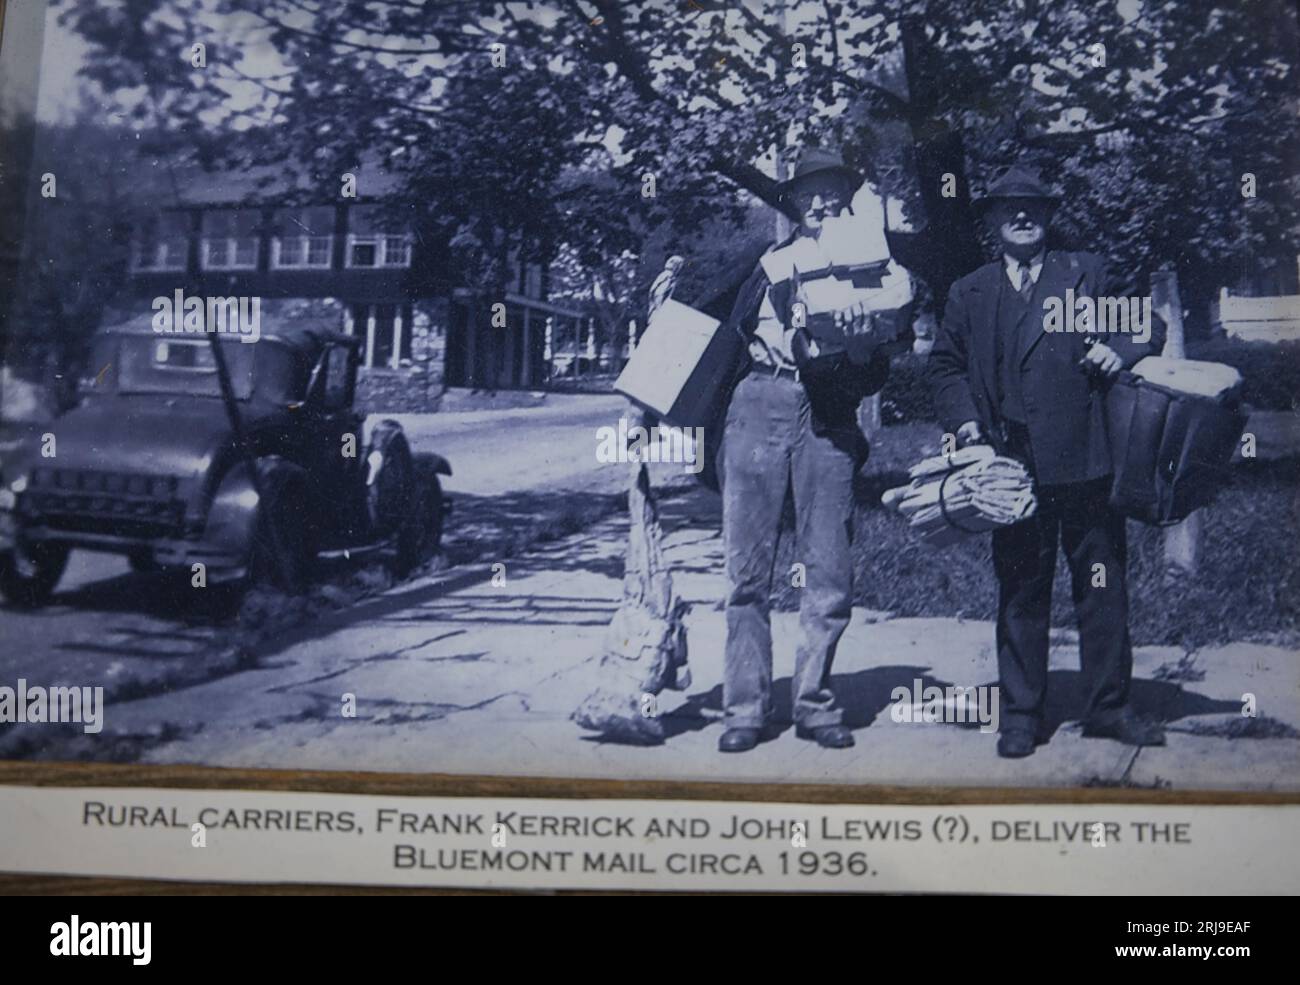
[(61, 60), (18, 64)]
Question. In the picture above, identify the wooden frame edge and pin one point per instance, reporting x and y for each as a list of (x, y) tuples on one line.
[(69, 774)]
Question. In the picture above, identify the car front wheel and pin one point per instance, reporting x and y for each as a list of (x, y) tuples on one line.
[(435, 511), (420, 535), (283, 552), (28, 574)]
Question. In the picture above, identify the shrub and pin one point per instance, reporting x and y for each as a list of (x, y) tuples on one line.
[(1271, 369), (906, 396), (1247, 586)]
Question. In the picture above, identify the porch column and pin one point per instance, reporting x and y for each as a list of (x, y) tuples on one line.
[(548, 353), (471, 346), (395, 360), (526, 374), (506, 377)]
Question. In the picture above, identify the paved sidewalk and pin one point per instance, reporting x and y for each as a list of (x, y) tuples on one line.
[(521, 476), (456, 674)]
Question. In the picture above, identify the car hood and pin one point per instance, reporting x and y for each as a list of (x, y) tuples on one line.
[(155, 436)]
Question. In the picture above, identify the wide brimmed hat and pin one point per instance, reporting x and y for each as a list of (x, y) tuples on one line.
[(818, 160), (1017, 182)]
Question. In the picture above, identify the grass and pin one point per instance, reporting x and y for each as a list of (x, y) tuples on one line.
[(1239, 727), (1247, 586)]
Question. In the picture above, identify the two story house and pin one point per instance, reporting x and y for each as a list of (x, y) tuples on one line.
[(356, 264)]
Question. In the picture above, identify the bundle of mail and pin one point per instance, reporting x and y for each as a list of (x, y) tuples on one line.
[(848, 265), (970, 491)]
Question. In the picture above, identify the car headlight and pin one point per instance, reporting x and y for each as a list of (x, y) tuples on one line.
[(19, 484), (7, 499)]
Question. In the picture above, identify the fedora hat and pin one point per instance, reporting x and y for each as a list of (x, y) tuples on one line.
[(1017, 182), (818, 160)]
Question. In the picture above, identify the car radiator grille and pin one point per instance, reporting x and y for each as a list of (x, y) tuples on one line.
[(93, 501)]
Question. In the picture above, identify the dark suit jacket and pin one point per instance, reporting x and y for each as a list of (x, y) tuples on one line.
[(1064, 405)]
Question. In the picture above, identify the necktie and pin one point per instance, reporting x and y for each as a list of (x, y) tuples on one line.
[(1026, 282)]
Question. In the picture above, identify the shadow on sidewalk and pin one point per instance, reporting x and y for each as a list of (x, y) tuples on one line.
[(540, 527), (868, 694)]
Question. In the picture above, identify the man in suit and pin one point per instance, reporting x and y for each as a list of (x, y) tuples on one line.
[(791, 425), (1000, 376)]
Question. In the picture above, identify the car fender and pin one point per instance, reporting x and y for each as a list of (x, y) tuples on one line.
[(434, 463), (232, 518), (377, 431)]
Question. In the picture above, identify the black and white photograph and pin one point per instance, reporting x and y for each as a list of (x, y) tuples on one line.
[(849, 392)]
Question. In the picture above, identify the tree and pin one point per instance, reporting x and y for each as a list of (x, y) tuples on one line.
[(489, 102), (75, 249), (611, 287)]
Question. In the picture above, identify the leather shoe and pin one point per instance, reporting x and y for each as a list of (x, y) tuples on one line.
[(1128, 728), (1016, 743), (826, 736), (739, 739)]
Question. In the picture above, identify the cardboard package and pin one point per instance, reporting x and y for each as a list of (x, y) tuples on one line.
[(683, 366)]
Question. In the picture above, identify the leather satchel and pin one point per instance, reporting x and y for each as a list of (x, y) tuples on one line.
[(1170, 450)]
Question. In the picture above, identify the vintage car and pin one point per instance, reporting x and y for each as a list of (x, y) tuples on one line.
[(253, 476)]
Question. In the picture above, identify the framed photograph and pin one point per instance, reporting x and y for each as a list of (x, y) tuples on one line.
[(359, 528)]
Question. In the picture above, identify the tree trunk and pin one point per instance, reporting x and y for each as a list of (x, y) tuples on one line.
[(948, 247)]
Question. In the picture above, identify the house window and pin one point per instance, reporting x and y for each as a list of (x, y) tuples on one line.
[(229, 240), (162, 243), (303, 239), (387, 331), (397, 251), (379, 251), (363, 251), (372, 241)]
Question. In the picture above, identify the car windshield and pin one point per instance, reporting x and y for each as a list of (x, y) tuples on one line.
[(182, 366)]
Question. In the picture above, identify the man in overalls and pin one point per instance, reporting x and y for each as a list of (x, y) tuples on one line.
[(790, 426)]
